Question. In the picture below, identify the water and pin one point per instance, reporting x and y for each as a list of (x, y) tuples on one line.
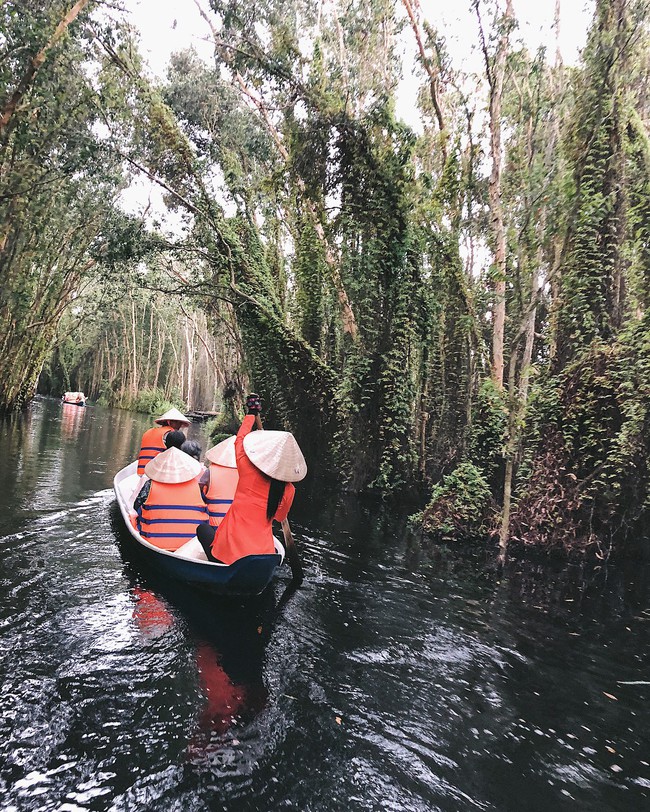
[(399, 677)]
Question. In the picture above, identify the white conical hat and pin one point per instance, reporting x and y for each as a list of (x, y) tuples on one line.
[(223, 453), (173, 414), (173, 466), (276, 454)]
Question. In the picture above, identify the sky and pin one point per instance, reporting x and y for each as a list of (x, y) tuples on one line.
[(169, 25), (166, 26)]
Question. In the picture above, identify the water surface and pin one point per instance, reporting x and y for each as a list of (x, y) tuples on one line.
[(401, 676)]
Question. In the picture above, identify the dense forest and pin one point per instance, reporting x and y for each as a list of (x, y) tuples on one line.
[(455, 314)]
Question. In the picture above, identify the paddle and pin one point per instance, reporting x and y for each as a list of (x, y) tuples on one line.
[(297, 574)]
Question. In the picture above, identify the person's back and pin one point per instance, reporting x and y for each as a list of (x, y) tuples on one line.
[(151, 444), (170, 505), (153, 440), (247, 528)]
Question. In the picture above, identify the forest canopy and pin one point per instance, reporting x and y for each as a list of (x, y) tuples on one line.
[(454, 314)]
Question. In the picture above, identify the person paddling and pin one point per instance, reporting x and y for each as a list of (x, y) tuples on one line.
[(153, 440), (219, 482), (268, 462), (170, 506)]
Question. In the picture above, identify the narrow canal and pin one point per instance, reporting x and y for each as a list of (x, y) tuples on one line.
[(399, 677)]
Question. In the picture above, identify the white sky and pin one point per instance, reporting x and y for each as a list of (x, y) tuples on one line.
[(171, 25)]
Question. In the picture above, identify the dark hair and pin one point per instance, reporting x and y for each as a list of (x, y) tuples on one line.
[(174, 438), (276, 492), (192, 448)]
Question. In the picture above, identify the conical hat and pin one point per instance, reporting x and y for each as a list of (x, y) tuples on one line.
[(173, 466), (223, 453), (173, 414), (276, 454)]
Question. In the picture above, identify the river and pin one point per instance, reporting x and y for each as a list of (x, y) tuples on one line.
[(400, 676)]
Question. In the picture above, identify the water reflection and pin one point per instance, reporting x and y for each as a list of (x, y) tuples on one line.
[(400, 676), (72, 418), (230, 697), (228, 638)]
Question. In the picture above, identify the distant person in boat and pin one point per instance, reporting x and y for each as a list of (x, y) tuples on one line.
[(219, 482), (74, 397), (170, 506), (153, 440), (268, 462)]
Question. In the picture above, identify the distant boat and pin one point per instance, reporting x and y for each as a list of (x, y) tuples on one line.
[(247, 576), (74, 398), (198, 416)]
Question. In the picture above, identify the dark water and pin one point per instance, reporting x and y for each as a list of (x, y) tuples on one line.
[(399, 677)]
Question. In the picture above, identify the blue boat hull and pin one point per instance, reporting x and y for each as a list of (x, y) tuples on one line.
[(248, 576)]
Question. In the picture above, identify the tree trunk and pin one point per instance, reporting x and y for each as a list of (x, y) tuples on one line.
[(495, 69)]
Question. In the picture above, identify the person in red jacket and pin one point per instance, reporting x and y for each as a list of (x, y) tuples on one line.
[(268, 462), (153, 440), (169, 507)]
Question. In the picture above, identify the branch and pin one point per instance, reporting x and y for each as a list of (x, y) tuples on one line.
[(433, 73), (34, 66)]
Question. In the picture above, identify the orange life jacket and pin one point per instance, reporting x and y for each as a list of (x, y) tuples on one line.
[(152, 444), (220, 492), (170, 514)]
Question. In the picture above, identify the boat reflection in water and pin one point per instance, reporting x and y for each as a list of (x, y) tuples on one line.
[(228, 653), (72, 418), (228, 637)]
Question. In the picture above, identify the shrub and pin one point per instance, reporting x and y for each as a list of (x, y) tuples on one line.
[(460, 506)]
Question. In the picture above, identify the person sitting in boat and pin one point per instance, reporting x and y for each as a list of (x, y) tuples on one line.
[(268, 462), (170, 506), (74, 397), (192, 448), (153, 440), (174, 439), (219, 482)]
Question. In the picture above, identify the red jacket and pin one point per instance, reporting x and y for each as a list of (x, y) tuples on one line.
[(245, 529), (151, 445), (170, 514)]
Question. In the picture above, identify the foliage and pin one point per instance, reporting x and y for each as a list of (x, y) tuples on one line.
[(486, 442), (590, 480), (333, 259), (154, 401), (460, 506), (57, 187)]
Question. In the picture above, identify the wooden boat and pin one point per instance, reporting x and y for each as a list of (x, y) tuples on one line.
[(248, 576)]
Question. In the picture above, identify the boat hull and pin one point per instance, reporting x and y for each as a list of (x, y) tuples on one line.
[(247, 576), (72, 403)]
